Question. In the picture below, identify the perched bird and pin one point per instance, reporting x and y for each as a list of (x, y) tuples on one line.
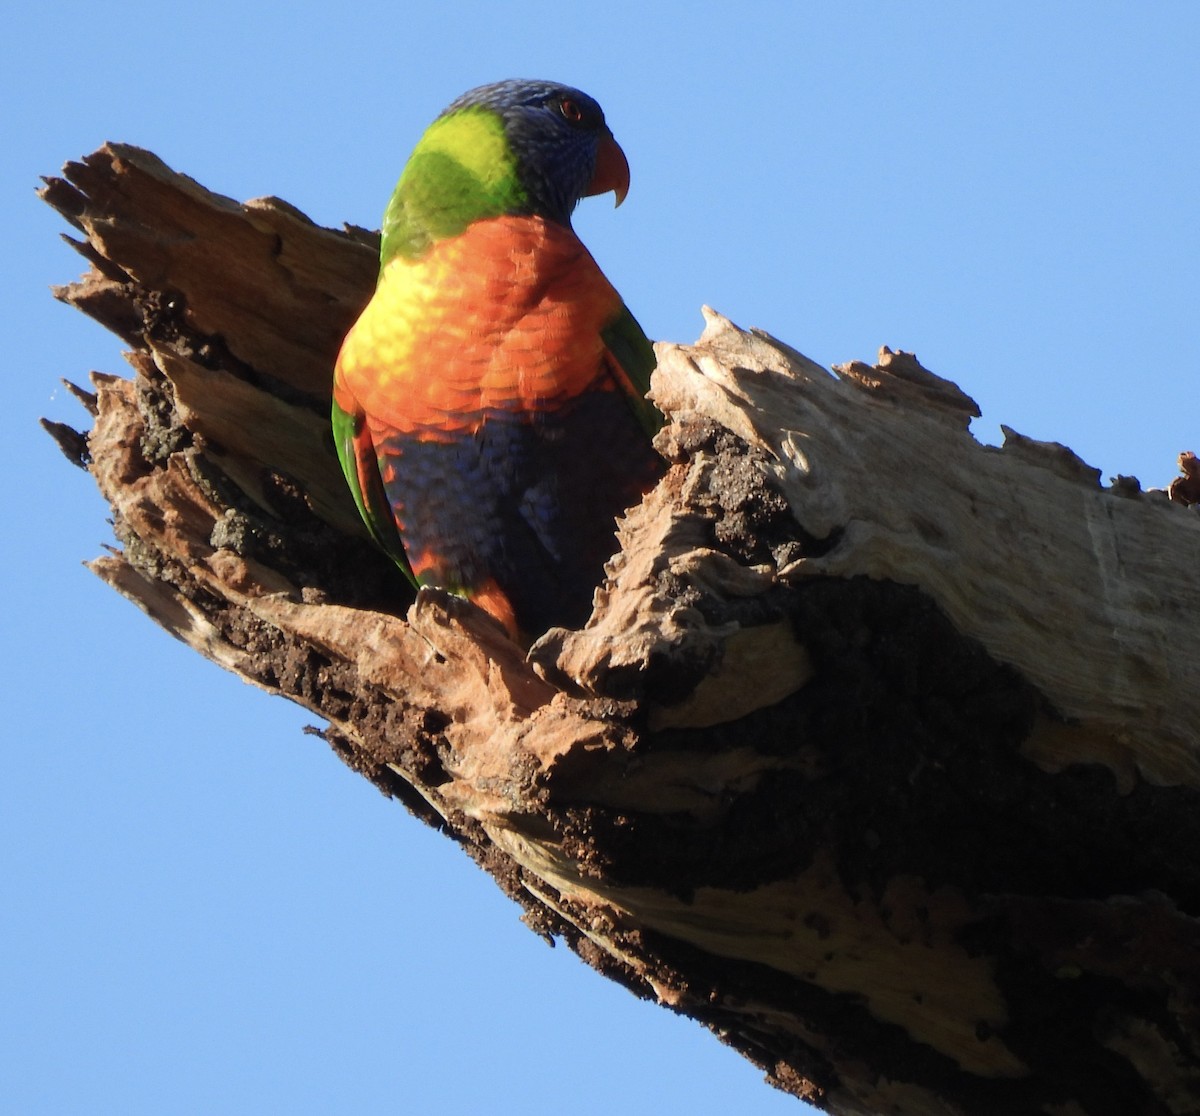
[(489, 405)]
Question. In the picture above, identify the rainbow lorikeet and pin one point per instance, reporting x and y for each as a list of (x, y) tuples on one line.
[(489, 405)]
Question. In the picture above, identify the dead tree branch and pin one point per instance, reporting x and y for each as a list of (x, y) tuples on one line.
[(879, 755)]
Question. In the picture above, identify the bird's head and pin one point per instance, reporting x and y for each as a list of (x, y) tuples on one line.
[(510, 148), (564, 150)]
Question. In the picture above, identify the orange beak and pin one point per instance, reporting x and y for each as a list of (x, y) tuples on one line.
[(612, 171)]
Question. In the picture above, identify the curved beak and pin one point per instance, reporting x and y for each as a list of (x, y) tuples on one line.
[(612, 171)]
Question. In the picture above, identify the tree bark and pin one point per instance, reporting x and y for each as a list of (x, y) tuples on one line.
[(878, 756)]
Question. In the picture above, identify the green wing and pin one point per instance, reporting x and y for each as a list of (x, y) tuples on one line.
[(360, 465), (633, 361)]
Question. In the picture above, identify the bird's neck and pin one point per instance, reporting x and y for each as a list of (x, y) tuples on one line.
[(462, 170)]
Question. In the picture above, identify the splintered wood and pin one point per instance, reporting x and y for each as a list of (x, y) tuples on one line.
[(879, 755)]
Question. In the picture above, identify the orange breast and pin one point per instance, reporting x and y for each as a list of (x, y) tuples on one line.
[(506, 316)]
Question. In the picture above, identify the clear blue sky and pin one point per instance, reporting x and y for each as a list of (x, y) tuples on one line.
[(223, 918)]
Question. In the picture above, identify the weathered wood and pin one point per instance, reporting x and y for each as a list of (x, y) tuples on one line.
[(879, 754)]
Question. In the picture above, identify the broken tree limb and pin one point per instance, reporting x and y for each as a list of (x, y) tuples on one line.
[(879, 755)]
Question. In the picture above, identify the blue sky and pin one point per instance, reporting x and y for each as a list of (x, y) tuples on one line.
[(223, 918)]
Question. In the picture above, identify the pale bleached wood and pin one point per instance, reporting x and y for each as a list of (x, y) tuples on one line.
[(1086, 590)]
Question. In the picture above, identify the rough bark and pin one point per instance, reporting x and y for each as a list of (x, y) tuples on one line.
[(879, 755)]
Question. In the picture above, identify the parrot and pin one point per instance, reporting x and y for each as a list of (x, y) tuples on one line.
[(489, 403)]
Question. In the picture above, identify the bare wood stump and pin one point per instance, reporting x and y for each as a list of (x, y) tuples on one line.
[(878, 756)]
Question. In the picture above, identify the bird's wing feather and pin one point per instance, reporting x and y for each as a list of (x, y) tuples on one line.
[(360, 464), (631, 360)]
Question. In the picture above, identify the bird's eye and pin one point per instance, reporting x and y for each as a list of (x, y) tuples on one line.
[(570, 110)]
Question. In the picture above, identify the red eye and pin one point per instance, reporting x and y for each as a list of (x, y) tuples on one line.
[(570, 110)]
